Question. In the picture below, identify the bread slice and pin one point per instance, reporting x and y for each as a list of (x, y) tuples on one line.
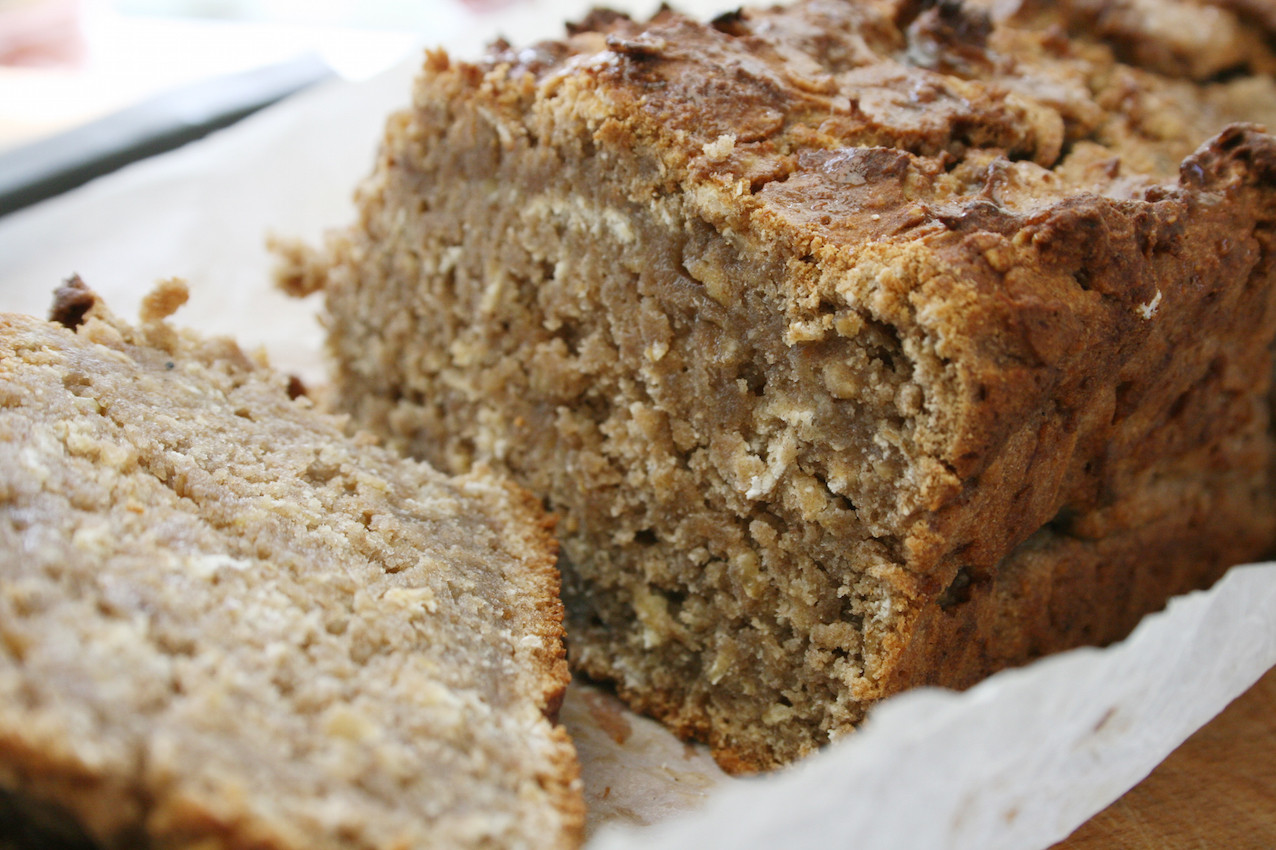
[(225, 624), (860, 345)]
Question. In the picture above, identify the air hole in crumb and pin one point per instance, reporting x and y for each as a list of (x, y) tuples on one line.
[(754, 378), (1126, 401), (547, 270), (1180, 404), (569, 333), (74, 381), (462, 455), (848, 614), (674, 597), (682, 267), (1061, 523), (884, 343), (958, 591), (646, 537), (594, 408), (319, 473)]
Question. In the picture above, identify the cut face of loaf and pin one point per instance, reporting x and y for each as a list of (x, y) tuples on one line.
[(225, 624), (858, 345)]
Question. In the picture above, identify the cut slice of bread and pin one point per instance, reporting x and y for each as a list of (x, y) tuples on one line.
[(224, 623)]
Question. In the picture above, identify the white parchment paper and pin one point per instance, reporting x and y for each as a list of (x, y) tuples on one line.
[(1017, 762)]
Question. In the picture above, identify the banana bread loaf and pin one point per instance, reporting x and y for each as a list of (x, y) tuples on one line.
[(224, 624), (859, 345)]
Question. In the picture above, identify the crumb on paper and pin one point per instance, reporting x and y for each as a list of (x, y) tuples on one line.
[(164, 300), (608, 713)]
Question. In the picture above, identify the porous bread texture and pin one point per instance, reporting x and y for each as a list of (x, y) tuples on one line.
[(859, 345), (225, 624)]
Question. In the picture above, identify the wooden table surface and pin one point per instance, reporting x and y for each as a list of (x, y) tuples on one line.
[(1216, 792)]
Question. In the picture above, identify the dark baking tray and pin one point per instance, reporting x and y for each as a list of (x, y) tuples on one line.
[(53, 165)]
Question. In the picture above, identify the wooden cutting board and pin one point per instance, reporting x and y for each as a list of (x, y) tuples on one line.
[(1216, 792)]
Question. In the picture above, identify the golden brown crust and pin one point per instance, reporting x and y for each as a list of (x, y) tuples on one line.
[(539, 614), (815, 322)]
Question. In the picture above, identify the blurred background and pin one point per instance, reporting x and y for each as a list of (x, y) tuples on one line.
[(66, 62)]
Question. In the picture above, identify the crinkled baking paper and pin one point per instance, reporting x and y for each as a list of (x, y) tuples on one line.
[(1017, 762)]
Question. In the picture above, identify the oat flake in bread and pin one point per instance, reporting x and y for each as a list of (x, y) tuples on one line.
[(224, 624), (860, 345)]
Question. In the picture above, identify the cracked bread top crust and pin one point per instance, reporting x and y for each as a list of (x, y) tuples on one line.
[(224, 623), (968, 178)]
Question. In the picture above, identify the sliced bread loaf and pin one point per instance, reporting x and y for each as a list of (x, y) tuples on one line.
[(224, 623)]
